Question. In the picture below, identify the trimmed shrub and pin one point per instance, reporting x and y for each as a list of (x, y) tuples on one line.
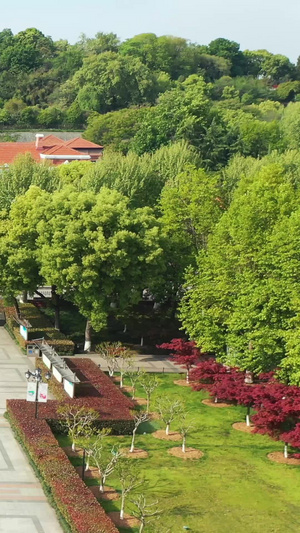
[(73, 500)]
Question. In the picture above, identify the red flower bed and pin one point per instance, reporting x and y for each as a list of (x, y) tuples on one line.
[(73, 499)]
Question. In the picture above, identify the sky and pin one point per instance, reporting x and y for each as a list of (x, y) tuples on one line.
[(255, 24)]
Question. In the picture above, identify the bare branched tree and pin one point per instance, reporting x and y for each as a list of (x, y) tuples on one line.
[(184, 430), (77, 420), (110, 351), (129, 479), (138, 420), (133, 376), (145, 512), (149, 383), (169, 409)]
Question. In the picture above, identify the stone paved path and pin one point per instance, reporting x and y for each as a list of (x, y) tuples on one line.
[(23, 505)]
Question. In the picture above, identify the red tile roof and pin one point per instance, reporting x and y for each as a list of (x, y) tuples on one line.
[(9, 151), (49, 145), (49, 141), (60, 150), (81, 143)]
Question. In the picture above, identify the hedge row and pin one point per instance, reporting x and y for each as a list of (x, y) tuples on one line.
[(73, 500), (97, 391), (41, 327)]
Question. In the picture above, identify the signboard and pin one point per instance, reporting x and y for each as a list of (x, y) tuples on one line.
[(43, 392), (46, 361), (69, 387), (57, 374), (31, 391), (24, 332)]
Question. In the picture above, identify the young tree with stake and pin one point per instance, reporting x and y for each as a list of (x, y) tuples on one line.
[(138, 420), (145, 512), (78, 420), (149, 383), (169, 409)]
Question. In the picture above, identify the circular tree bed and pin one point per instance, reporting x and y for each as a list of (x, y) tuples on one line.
[(181, 382), (140, 401), (211, 403), (136, 454), (278, 457), (109, 493), (242, 426), (190, 453), (161, 434), (128, 521)]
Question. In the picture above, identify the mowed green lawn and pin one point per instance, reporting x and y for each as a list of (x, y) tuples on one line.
[(234, 488)]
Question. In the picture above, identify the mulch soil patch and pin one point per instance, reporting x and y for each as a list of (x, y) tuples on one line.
[(190, 453), (211, 403), (127, 522), (154, 416), (136, 454), (181, 382), (78, 452), (127, 388), (242, 426), (161, 434), (91, 473), (278, 457), (109, 493), (140, 401)]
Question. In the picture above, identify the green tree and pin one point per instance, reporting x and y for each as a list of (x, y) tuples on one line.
[(97, 251)]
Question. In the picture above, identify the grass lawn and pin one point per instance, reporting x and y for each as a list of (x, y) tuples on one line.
[(234, 488)]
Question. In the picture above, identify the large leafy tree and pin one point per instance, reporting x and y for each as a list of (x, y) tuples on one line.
[(233, 304), (97, 251)]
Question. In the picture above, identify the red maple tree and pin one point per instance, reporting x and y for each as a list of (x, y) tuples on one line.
[(184, 353)]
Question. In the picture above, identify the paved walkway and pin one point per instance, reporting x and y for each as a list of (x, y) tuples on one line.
[(148, 362), (23, 505)]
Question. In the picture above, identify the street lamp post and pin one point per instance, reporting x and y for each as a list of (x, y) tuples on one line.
[(36, 376)]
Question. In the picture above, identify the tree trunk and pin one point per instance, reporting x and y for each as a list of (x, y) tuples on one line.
[(23, 298), (73, 446), (88, 337), (183, 444), (148, 404), (142, 526), (167, 429), (101, 486), (132, 442), (187, 376), (125, 328), (55, 302), (216, 399), (122, 507), (121, 380), (248, 416), (133, 392), (87, 464), (142, 341), (17, 308), (285, 452)]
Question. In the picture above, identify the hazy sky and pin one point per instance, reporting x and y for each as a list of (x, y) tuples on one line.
[(255, 24)]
